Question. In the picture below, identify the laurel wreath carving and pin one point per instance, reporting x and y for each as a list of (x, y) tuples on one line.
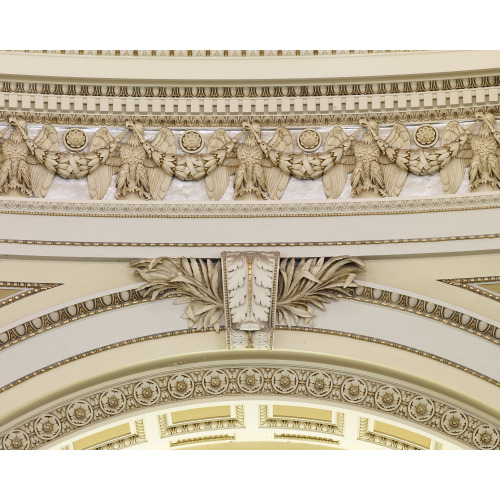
[(197, 282), (313, 282)]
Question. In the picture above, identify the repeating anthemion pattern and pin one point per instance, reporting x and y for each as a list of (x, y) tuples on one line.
[(325, 386)]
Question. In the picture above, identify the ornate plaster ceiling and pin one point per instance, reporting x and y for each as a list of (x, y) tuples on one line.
[(407, 360)]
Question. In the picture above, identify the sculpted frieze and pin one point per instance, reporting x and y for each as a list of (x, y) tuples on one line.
[(248, 291), (260, 169)]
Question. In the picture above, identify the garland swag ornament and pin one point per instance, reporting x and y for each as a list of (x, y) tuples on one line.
[(145, 169)]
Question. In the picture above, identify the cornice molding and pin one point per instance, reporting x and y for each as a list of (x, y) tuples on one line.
[(329, 208), (274, 67)]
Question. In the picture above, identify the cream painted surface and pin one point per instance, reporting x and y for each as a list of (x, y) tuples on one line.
[(421, 276), (414, 331), (80, 280), (354, 317), (264, 437), (355, 67), (226, 231), (90, 333), (296, 348)]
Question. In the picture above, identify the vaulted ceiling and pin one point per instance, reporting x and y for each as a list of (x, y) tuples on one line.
[(410, 360)]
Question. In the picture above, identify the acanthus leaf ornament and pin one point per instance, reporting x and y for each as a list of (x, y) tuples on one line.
[(247, 289), (250, 285)]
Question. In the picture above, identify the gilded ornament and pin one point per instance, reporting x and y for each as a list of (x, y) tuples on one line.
[(181, 386), (421, 408), (250, 380), (75, 139), (250, 281), (47, 427), (426, 136), (387, 398), (309, 140), (215, 381), (255, 172), (16, 440), (79, 413), (284, 381), (319, 384), (191, 142), (354, 390), (112, 401), (454, 422), (27, 165), (479, 152), (486, 437), (147, 392)]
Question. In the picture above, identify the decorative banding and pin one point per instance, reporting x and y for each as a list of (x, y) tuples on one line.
[(110, 401)]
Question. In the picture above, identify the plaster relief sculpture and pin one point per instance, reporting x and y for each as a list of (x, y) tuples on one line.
[(374, 169), (313, 283), (250, 283), (24, 163), (261, 169), (137, 172), (249, 288), (424, 161), (481, 153), (254, 173), (193, 167), (196, 282), (75, 140)]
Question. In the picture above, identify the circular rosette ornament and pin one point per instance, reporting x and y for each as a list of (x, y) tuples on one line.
[(421, 408), (191, 142), (112, 401), (387, 398), (47, 427), (319, 384), (181, 386), (285, 381), (250, 380), (454, 422), (79, 413), (486, 437), (147, 392), (215, 381), (75, 139), (309, 140), (426, 136), (354, 390), (16, 440)]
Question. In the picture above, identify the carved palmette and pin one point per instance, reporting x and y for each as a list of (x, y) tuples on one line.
[(250, 285)]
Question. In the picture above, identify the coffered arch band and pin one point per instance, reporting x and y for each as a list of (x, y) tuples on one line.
[(315, 378), (114, 364)]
